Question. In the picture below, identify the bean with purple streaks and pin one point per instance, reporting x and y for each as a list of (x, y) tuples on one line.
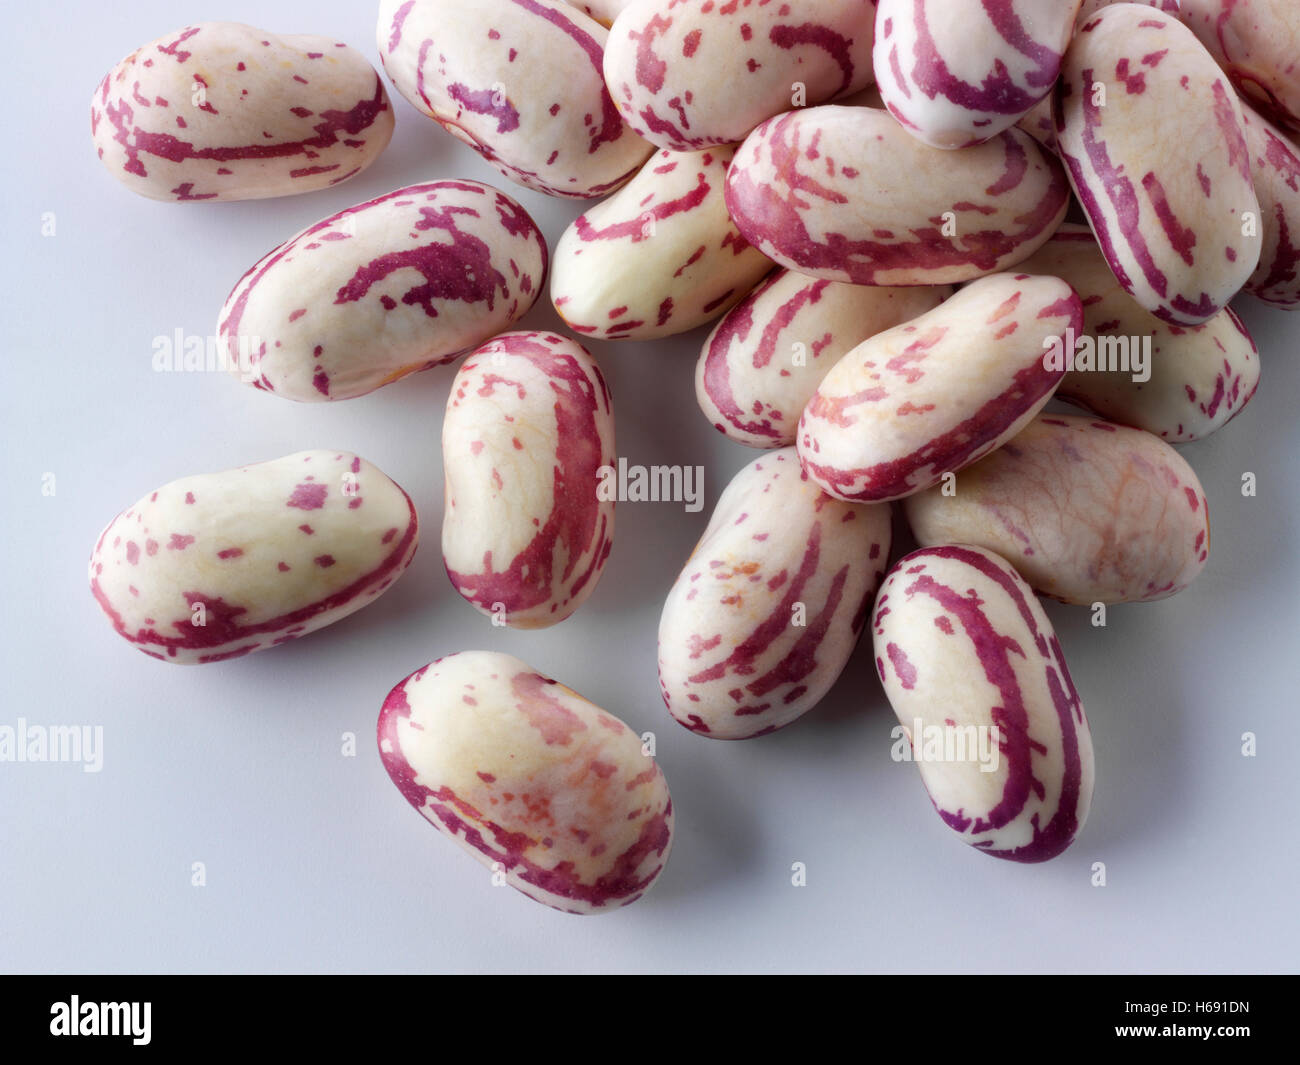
[(530, 779), (762, 620), (529, 425), (964, 648), (1275, 165)]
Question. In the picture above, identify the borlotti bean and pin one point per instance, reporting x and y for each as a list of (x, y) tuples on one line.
[(762, 620), (974, 673), (215, 566), (764, 360), (1256, 42), (845, 193), (400, 283), (1087, 511), (1151, 134), (689, 74), (935, 394), (529, 778), (659, 257), (1038, 123), (224, 111), (526, 530), (1181, 383), (1091, 7), (520, 82), (1275, 164), (956, 73)]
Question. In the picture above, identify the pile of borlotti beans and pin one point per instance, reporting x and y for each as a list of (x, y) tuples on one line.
[(898, 294)]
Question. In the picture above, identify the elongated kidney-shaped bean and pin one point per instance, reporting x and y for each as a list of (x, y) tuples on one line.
[(1275, 164), (690, 74), (224, 111), (659, 257), (215, 566), (767, 611), (931, 396), (846, 194), (764, 360), (520, 82), (401, 283), (1151, 135), (1179, 382), (529, 426), (966, 652), (956, 73), (530, 779), (1087, 512)]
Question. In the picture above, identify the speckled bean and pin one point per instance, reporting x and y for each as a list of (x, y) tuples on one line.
[(1151, 134), (935, 394), (1257, 43), (764, 360), (398, 284), (689, 74), (961, 643), (224, 111), (1199, 377), (1091, 7), (1275, 165), (215, 566), (956, 73), (530, 779), (844, 193), (1087, 511), (529, 425), (659, 257), (520, 82), (767, 611)]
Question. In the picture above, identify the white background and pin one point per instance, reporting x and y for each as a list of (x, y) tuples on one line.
[(316, 863)]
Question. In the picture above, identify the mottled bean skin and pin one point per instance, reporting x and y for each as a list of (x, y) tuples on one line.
[(1161, 169), (736, 659), (530, 779), (956, 73), (529, 424), (1091, 7), (1256, 42), (216, 566), (659, 257), (747, 381), (520, 82), (223, 111), (1201, 377), (398, 284), (961, 641), (690, 74), (844, 193), (1275, 164), (935, 394), (1087, 512)]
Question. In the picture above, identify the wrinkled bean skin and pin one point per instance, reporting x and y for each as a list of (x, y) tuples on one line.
[(1275, 164), (956, 73), (960, 640), (747, 381), (216, 566), (398, 284), (1201, 377), (937, 393), (1161, 168), (659, 257), (530, 779), (846, 194), (520, 82), (735, 658), (223, 111), (1087, 512), (529, 424), (1256, 43), (691, 74)]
